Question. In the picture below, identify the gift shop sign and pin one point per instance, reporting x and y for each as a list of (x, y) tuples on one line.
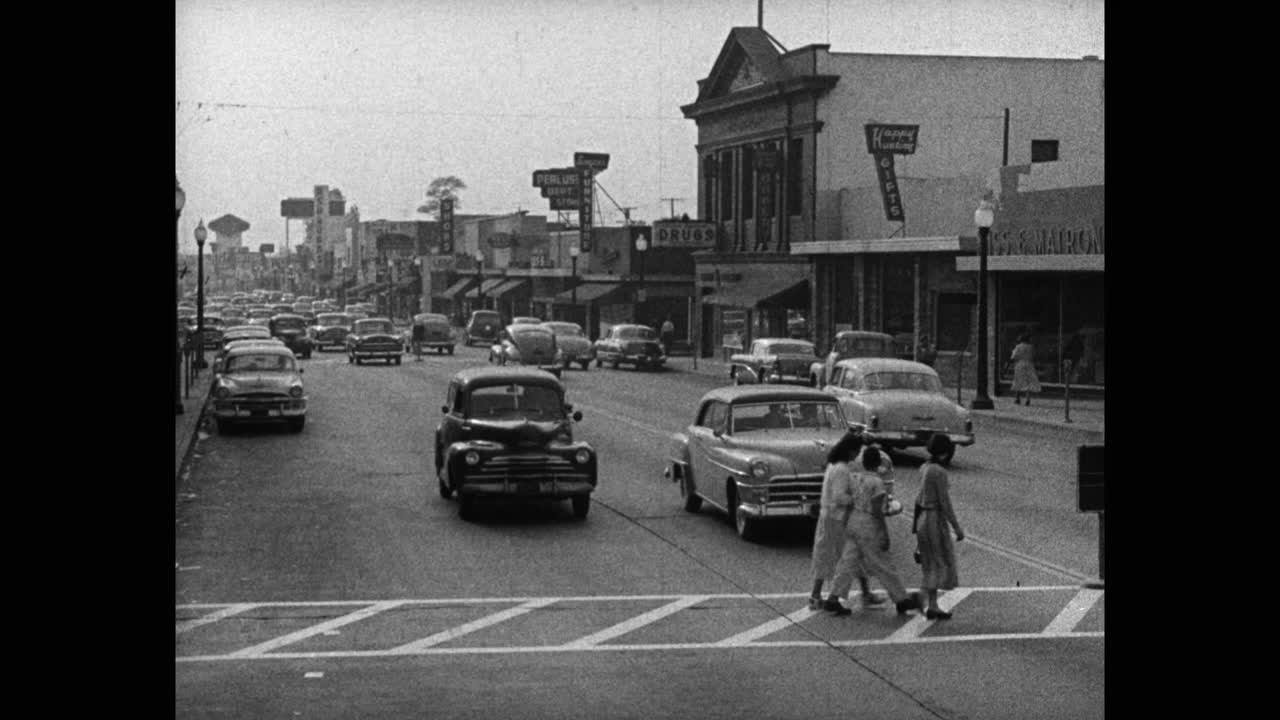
[(883, 142)]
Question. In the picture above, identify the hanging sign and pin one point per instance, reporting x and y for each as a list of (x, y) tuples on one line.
[(883, 142), (446, 226), (585, 211)]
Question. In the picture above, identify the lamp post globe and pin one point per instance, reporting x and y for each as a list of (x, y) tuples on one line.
[(642, 244), (984, 218), (574, 252), (201, 234)]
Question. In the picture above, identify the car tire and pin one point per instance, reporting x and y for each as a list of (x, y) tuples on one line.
[(398, 360), (450, 349), (692, 500), (813, 381), (734, 374), (586, 365), (748, 528), (599, 362), (296, 424), (350, 358), (565, 365), (306, 355), (445, 492), (581, 505), (466, 507)]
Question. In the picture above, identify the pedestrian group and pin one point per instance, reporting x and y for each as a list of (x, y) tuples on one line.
[(851, 539)]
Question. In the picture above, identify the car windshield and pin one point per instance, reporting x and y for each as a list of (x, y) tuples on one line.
[(335, 319), (637, 333), (259, 363), (810, 415), (901, 381), (365, 327), (536, 402), (871, 347), (291, 324), (790, 348), (564, 328), (486, 317)]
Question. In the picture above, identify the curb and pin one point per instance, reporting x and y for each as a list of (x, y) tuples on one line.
[(189, 444)]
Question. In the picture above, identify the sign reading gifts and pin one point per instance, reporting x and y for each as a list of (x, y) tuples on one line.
[(883, 142)]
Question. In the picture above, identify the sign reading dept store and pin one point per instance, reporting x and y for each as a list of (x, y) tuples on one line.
[(684, 234)]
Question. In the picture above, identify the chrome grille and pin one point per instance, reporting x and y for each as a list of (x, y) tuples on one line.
[(529, 467), (794, 488)]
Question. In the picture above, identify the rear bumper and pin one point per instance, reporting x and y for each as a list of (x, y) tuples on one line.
[(916, 438)]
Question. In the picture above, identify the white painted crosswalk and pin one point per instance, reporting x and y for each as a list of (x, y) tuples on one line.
[(207, 632)]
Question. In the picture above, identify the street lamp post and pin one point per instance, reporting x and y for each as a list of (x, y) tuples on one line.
[(574, 252), (479, 280), (180, 199), (642, 244), (201, 234), (983, 217)]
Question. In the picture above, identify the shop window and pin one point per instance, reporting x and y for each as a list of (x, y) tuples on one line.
[(726, 185), (795, 176), (748, 194), (898, 309), (1044, 151)]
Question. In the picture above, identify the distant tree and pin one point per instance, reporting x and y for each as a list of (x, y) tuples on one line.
[(440, 188)]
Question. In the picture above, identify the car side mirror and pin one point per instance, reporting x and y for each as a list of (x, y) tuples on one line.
[(577, 416), (444, 409)]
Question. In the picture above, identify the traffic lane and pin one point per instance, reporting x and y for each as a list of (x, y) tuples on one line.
[(730, 684)]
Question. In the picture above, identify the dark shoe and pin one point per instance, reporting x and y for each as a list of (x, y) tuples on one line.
[(911, 603), (937, 614), (815, 603), (834, 607)]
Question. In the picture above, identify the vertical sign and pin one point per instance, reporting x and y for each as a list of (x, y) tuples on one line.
[(889, 187), (446, 226), (585, 209), (883, 142), (766, 162)]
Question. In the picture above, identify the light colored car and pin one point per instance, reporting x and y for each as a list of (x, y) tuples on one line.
[(259, 383), (374, 339), (898, 403), (773, 360), (757, 453), (636, 345), (531, 345), (331, 329), (574, 345)]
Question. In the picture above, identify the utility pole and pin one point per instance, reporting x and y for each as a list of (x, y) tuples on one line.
[(673, 200)]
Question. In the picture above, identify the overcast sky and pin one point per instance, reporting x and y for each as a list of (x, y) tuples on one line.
[(377, 97)]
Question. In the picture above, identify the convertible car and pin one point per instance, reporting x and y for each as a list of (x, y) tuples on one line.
[(259, 383), (531, 345), (773, 360), (898, 403), (507, 432), (757, 453)]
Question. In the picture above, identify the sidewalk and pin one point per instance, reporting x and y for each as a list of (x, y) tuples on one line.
[(1087, 416), (188, 423)]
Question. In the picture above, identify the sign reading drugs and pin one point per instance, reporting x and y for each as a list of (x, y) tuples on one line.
[(684, 234), (446, 226), (898, 139)]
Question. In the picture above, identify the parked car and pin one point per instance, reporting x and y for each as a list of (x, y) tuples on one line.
[(508, 432), (331, 329), (531, 345), (436, 332), (259, 383), (483, 327), (634, 344), (773, 360), (573, 343), (240, 332), (757, 453), (898, 403), (526, 320), (850, 344), (374, 339), (292, 329), (228, 347)]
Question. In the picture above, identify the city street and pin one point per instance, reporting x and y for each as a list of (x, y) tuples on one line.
[(320, 574)]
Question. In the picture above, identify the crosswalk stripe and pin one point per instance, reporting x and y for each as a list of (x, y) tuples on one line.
[(484, 622), (305, 633), (920, 623), (766, 629), (226, 612), (636, 622), (1074, 612)]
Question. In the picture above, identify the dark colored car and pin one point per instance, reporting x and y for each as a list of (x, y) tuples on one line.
[(532, 345), (507, 432), (436, 333), (331, 329), (483, 327), (634, 344), (374, 339), (773, 360), (292, 330)]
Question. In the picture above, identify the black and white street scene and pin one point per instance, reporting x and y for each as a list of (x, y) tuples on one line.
[(639, 359)]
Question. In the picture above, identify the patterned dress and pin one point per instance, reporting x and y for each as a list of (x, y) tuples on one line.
[(862, 555), (933, 524), (1024, 369), (828, 536)]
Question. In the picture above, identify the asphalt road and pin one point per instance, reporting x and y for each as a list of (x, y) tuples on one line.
[(321, 575)]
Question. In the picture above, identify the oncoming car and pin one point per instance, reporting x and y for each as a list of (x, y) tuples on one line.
[(898, 403), (259, 384), (634, 344), (374, 339), (757, 453), (507, 432)]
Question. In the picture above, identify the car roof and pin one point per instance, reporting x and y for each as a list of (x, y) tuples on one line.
[(484, 376), (287, 316), (885, 365), (783, 340), (261, 348), (527, 327), (259, 329), (864, 334), (624, 326), (380, 319), (738, 394)]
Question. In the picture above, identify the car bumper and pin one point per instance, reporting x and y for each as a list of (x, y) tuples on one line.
[(786, 378), (387, 353), (258, 410), (785, 509), (643, 359), (916, 438), (554, 488)]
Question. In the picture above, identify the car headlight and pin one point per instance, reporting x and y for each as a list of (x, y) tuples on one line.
[(582, 457), (759, 469), (296, 391), (472, 457), (222, 392)]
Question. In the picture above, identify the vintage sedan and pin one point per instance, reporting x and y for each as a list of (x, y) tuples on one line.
[(773, 360), (508, 433), (850, 344), (531, 345), (483, 327), (573, 343), (259, 316), (257, 384), (374, 339), (898, 403), (636, 345), (233, 344), (213, 327), (756, 453), (330, 330), (292, 330), (437, 333)]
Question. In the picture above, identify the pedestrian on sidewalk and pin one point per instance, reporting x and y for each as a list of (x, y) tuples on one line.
[(828, 536), (934, 519), (1025, 380), (866, 541), (668, 334)]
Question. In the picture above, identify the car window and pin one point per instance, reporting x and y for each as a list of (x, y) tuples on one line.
[(636, 333), (902, 381), (259, 363), (560, 328), (373, 326), (715, 416), (837, 377), (809, 415), (791, 348), (851, 381), (291, 323), (537, 402)]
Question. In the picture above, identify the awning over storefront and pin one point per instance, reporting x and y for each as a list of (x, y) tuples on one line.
[(452, 291), (508, 286), (487, 287), (589, 293), (778, 291)]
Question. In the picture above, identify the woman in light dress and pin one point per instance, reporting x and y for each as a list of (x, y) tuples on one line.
[(934, 520), (1025, 380), (828, 537)]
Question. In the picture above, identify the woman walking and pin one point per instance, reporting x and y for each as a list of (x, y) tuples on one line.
[(933, 522), (828, 536), (1024, 370), (866, 546)]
